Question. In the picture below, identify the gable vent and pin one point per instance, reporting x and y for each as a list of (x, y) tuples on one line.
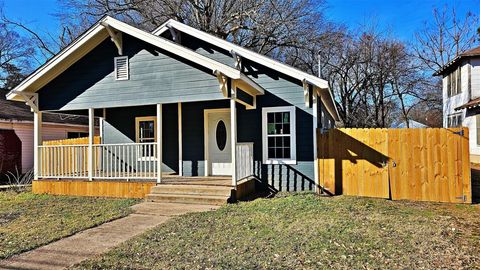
[(121, 68)]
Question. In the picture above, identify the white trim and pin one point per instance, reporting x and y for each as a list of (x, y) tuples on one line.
[(127, 66), (233, 135), (172, 47), (96, 31), (293, 142), (99, 31), (316, 178), (159, 143), (242, 52), (205, 133), (37, 142), (116, 38), (91, 134), (180, 141), (253, 56)]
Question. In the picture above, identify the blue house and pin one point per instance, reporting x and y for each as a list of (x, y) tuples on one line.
[(177, 106)]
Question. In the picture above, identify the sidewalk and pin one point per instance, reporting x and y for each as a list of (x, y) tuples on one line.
[(83, 245)]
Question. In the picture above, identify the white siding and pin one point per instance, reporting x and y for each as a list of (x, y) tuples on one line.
[(449, 104), (475, 63), (24, 131)]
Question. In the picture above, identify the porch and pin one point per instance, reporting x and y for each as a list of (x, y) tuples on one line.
[(126, 158)]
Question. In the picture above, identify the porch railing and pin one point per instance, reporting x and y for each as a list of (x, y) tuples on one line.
[(244, 160), (110, 161), (118, 161)]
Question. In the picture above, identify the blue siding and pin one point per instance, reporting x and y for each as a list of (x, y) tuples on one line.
[(281, 90), (296, 177), (119, 127), (156, 76)]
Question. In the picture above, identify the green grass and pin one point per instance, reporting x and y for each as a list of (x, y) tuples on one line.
[(28, 221), (307, 232)]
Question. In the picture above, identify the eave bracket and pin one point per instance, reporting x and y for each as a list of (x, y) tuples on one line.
[(116, 37), (31, 99)]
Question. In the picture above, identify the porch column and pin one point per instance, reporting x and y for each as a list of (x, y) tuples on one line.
[(233, 132), (315, 149), (180, 146), (91, 135), (159, 143), (37, 141)]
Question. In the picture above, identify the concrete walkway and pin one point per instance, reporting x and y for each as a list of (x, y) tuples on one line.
[(83, 245)]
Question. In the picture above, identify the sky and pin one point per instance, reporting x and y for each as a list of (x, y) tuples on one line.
[(402, 17)]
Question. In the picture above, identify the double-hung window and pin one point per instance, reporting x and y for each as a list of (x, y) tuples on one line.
[(278, 133)]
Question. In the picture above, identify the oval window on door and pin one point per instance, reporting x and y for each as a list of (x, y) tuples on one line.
[(221, 135)]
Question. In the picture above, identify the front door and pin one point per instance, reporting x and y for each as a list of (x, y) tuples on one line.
[(219, 149)]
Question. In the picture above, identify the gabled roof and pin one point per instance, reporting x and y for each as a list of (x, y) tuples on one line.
[(452, 64), (252, 56), (99, 32)]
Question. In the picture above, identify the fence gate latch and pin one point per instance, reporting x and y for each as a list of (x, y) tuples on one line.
[(463, 198), (461, 133)]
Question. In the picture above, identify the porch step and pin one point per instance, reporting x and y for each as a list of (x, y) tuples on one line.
[(191, 189), (187, 198)]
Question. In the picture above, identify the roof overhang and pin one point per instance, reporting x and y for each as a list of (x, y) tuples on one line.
[(318, 83), (242, 52), (474, 103), (98, 33)]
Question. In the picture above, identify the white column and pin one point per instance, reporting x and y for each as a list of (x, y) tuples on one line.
[(315, 153), (37, 141), (91, 135), (159, 143), (233, 131), (180, 150)]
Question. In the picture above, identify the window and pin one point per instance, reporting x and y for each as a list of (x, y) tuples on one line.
[(121, 67), (74, 135), (278, 133), (454, 120), (454, 82), (145, 129)]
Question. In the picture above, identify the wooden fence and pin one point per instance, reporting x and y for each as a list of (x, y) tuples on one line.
[(70, 160), (401, 164)]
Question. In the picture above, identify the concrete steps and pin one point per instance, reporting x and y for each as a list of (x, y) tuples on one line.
[(192, 194)]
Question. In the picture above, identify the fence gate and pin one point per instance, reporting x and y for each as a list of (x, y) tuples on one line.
[(402, 164)]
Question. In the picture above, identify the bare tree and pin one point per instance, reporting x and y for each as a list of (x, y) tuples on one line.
[(268, 27), (445, 37), (14, 53)]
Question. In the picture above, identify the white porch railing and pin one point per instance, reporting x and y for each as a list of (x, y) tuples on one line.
[(118, 161), (244, 160), (110, 161)]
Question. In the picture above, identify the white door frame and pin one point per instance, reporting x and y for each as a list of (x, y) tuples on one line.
[(206, 112)]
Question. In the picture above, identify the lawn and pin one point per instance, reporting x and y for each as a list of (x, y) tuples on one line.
[(28, 220), (308, 232)]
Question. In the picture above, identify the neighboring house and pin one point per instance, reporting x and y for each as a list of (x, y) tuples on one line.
[(411, 124), (461, 96), (211, 108), (17, 117)]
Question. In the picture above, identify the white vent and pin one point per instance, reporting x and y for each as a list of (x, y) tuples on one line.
[(121, 68)]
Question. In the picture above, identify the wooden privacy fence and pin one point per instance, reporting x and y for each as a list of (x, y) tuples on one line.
[(68, 157), (431, 164)]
